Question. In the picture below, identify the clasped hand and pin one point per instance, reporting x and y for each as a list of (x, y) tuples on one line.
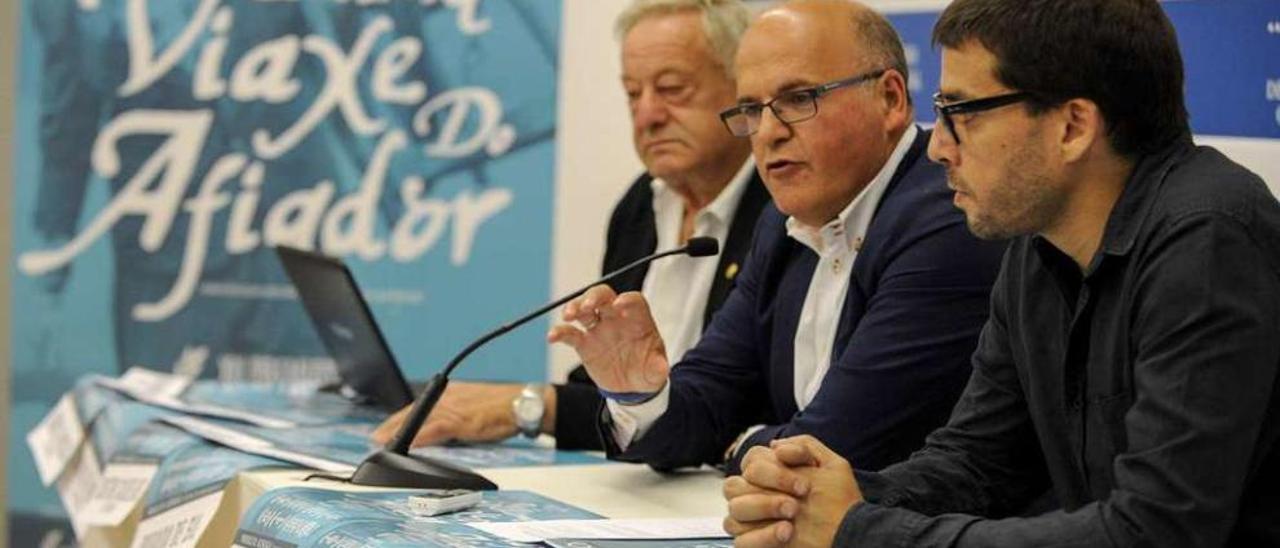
[(793, 493)]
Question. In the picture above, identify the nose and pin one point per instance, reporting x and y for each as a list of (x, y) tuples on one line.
[(648, 110), (942, 149), (771, 130)]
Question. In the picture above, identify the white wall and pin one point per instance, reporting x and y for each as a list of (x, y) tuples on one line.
[(1258, 155)]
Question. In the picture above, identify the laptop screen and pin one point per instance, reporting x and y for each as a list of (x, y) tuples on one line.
[(345, 325)]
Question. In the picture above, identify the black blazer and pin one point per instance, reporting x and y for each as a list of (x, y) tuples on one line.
[(632, 235)]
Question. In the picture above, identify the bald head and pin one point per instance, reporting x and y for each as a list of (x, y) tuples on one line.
[(838, 66), (853, 27)]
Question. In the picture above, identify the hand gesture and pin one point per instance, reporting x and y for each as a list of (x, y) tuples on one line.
[(616, 339)]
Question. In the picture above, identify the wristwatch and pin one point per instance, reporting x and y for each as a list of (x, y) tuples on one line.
[(528, 409)]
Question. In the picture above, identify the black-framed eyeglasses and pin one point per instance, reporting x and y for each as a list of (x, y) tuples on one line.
[(944, 111), (790, 107)]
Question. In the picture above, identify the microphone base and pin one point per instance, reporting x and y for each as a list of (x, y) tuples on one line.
[(388, 469)]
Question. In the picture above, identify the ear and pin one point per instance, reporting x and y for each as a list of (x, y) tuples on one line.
[(1083, 129), (892, 88)]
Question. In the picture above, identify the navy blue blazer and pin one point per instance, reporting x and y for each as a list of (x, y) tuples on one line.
[(916, 302)]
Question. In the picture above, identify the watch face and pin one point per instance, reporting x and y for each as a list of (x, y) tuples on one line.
[(529, 409)]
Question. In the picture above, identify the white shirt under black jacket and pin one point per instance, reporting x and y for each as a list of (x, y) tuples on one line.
[(677, 287), (836, 244)]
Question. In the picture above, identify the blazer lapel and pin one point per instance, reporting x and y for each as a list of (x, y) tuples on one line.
[(862, 281), (637, 237), (734, 248)]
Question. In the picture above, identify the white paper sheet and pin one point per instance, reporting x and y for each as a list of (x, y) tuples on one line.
[(218, 433), (54, 440), (600, 529), (139, 380), (167, 398), (254, 445)]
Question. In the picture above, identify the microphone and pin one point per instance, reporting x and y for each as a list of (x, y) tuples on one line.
[(701, 246), (393, 466)]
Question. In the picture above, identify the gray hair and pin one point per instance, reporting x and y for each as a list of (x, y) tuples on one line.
[(723, 22)]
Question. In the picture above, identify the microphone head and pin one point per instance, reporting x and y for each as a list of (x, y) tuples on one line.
[(702, 246)]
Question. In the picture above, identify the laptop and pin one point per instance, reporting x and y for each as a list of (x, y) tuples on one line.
[(341, 316)]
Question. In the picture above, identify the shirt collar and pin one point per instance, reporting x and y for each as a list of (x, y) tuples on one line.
[(850, 226), (1136, 201), (721, 208), (1127, 215)]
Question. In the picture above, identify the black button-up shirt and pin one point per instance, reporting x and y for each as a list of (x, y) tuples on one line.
[(1143, 391)]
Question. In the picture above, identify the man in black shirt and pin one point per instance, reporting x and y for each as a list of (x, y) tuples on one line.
[(1130, 362)]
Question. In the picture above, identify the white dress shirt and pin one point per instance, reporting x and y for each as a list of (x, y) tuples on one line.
[(677, 287), (836, 244)]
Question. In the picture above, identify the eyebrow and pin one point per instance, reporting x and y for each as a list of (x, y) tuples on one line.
[(681, 71), (789, 85), (952, 96), (676, 72)]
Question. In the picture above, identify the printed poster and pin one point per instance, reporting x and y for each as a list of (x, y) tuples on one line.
[(163, 147)]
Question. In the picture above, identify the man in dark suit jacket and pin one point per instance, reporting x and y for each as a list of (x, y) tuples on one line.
[(863, 294), (699, 181)]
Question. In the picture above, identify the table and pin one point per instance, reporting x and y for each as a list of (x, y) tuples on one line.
[(121, 432), (613, 490)]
